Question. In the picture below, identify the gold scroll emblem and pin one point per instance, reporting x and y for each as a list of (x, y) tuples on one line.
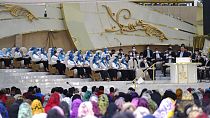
[(16, 11), (132, 27)]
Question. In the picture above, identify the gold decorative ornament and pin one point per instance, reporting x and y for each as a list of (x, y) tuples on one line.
[(132, 27), (16, 11)]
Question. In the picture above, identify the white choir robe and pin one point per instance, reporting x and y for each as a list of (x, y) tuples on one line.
[(36, 58), (115, 66), (86, 63), (104, 66), (43, 57), (17, 55), (70, 64), (95, 67), (54, 59), (123, 66)]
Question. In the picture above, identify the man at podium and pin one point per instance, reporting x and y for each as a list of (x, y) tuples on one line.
[(183, 52)]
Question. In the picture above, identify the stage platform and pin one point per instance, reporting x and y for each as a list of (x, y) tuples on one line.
[(23, 78)]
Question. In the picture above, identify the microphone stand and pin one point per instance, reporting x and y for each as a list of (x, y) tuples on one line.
[(69, 84)]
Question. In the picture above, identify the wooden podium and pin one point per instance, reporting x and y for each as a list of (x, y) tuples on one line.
[(183, 72)]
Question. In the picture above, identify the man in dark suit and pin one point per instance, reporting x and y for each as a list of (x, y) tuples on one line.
[(183, 52), (148, 54), (157, 56)]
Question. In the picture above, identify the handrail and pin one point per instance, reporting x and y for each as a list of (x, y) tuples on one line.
[(136, 79)]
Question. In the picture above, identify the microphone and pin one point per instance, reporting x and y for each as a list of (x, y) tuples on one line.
[(69, 84)]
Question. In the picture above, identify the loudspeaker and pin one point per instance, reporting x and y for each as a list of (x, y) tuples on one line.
[(206, 17)]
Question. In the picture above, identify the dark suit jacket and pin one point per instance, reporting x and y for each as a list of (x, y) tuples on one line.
[(185, 54), (145, 53), (154, 56)]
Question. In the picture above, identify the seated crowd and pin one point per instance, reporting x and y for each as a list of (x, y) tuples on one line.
[(111, 65), (95, 103)]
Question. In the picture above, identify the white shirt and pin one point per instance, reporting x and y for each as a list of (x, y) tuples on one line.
[(132, 64), (148, 53), (181, 54), (157, 56)]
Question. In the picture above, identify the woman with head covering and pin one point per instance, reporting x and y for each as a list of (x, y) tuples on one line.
[(111, 110), (94, 98), (64, 105), (119, 102), (128, 107), (13, 109), (3, 111), (25, 111), (67, 100), (53, 101), (96, 109), (86, 96), (55, 112), (85, 110), (140, 102), (140, 112), (74, 108), (36, 107), (103, 103), (166, 108), (156, 97)]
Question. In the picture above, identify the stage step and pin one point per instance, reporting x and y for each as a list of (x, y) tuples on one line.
[(14, 70), (23, 78)]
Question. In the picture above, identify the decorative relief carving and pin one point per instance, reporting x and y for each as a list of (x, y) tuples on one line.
[(16, 11), (132, 27)]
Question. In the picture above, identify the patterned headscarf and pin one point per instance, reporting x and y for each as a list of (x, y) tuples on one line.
[(85, 109), (3, 111), (14, 108), (103, 103), (94, 98), (67, 100), (111, 110), (65, 106), (140, 112), (140, 102), (166, 107), (128, 107), (53, 101), (86, 96), (74, 108), (152, 105), (25, 111), (96, 109), (119, 102), (36, 107)]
